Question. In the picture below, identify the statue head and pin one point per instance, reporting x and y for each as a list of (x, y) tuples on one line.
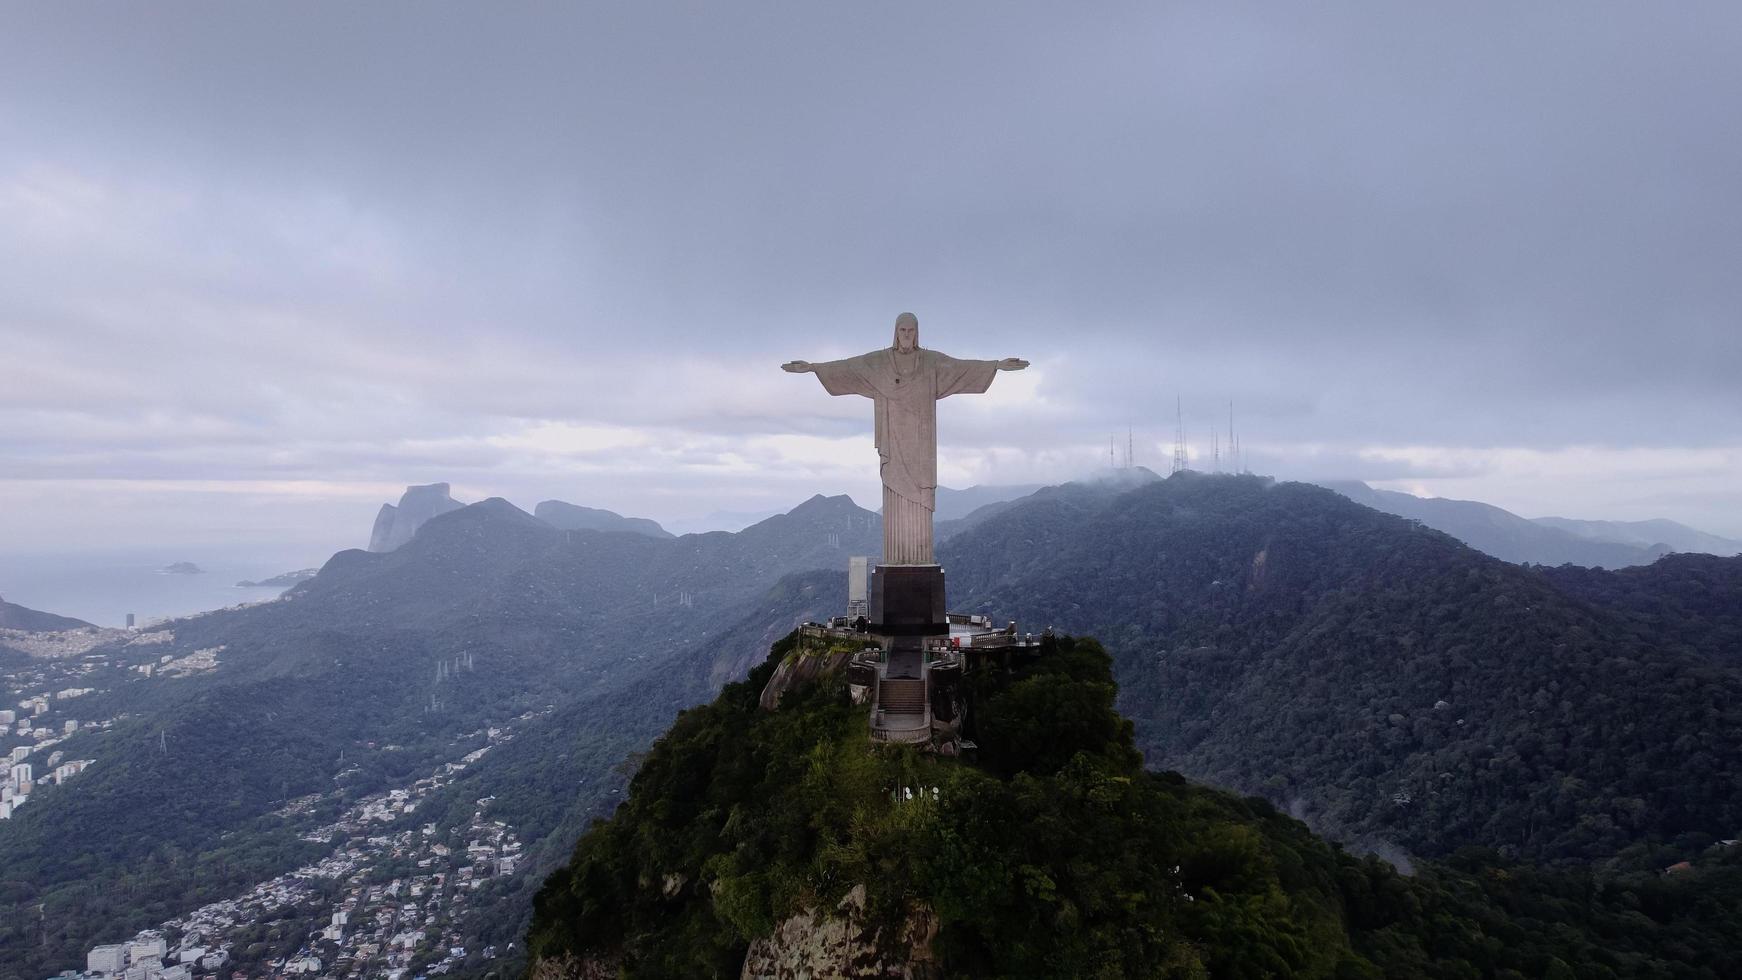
[(906, 332)]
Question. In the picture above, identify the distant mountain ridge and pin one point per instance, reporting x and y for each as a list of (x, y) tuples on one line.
[(1648, 534), (573, 517), (1501, 533), (16, 617), (953, 503)]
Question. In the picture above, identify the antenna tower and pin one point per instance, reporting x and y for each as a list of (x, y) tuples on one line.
[(1179, 436)]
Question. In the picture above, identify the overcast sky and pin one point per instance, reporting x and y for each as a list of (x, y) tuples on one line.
[(260, 267)]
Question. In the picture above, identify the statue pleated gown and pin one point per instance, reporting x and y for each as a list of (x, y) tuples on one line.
[(906, 386)]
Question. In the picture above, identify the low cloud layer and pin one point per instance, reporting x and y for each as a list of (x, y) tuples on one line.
[(286, 261)]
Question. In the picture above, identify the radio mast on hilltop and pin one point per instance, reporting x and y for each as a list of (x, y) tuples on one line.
[(1238, 465), (1179, 436)]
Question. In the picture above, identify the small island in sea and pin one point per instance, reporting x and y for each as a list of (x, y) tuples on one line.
[(285, 580), (182, 568)]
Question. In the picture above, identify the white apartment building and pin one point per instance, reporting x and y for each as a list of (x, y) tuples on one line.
[(107, 959)]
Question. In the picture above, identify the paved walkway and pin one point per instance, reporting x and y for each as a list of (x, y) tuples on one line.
[(906, 659)]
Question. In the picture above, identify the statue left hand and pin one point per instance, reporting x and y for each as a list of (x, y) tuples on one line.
[(1012, 364)]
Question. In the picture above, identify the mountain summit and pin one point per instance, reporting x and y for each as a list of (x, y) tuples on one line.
[(573, 517), (782, 843), (395, 525)]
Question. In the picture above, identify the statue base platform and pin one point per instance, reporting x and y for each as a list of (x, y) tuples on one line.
[(908, 600)]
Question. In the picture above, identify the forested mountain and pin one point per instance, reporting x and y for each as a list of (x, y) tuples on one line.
[(1504, 534), (16, 617), (759, 837), (377, 670), (1688, 602), (1380, 678)]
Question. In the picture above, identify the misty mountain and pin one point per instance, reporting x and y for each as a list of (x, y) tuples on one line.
[(1647, 534), (376, 670), (1502, 533), (1379, 677), (573, 517), (1114, 479), (395, 526), (952, 503), (16, 617)]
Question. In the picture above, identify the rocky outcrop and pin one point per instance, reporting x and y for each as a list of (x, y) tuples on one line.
[(800, 668), (573, 517), (845, 944), (570, 968), (395, 526)]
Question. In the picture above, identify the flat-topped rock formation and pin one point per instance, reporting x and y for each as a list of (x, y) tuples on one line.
[(395, 526)]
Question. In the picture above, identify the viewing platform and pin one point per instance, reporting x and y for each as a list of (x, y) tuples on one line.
[(913, 683)]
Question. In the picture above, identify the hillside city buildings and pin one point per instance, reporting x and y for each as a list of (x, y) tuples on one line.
[(390, 900)]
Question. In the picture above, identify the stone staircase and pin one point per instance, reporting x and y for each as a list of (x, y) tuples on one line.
[(901, 696)]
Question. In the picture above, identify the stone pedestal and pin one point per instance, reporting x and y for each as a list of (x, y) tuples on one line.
[(908, 600)]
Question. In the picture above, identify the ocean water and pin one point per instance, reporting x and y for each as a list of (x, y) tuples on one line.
[(103, 587)]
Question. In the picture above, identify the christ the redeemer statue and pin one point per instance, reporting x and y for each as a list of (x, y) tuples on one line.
[(906, 381)]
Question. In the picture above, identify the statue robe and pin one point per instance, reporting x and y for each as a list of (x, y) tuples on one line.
[(906, 390)]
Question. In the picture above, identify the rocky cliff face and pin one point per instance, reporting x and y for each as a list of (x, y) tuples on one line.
[(395, 526), (845, 944), (812, 943)]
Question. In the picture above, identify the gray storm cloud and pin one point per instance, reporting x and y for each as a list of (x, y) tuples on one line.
[(1489, 249)]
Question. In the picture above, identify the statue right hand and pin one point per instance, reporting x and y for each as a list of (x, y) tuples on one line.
[(796, 367)]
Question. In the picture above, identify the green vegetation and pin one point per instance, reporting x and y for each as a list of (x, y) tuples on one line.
[(338, 690), (1056, 854), (1382, 680)]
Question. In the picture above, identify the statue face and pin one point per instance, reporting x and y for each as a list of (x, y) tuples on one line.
[(906, 332)]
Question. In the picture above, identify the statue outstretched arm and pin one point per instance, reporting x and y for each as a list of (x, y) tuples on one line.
[(848, 376), (1008, 364)]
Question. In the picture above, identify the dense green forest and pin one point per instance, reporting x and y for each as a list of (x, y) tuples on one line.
[(1054, 853), (1383, 681)]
